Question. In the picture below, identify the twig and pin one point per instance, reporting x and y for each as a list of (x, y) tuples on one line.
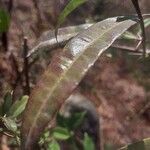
[(10, 6), (26, 71), (137, 8), (18, 73), (4, 39)]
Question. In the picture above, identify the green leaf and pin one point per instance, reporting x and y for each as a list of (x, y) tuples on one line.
[(64, 74), (72, 5), (78, 119), (7, 102), (10, 124), (141, 145), (60, 133), (18, 107), (4, 20), (146, 24), (130, 36), (71, 122), (53, 145), (88, 144)]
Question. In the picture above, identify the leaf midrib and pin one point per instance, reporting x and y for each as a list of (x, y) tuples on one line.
[(62, 77)]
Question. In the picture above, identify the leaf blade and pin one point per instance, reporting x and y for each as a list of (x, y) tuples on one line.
[(7, 102), (61, 133), (72, 5), (18, 107), (4, 20), (88, 144), (67, 69)]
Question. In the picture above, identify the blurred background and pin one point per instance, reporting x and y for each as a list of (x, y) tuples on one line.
[(118, 83)]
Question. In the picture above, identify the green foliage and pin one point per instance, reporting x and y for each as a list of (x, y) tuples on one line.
[(72, 5), (65, 132), (9, 123), (7, 102), (88, 143), (4, 20), (53, 145), (72, 122), (146, 24), (18, 107), (61, 133)]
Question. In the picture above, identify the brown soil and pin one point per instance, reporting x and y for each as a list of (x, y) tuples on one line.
[(118, 96)]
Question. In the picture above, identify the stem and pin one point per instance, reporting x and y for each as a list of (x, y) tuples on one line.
[(4, 39), (26, 70), (138, 11)]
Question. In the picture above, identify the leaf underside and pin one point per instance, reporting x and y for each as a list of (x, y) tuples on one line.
[(64, 73)]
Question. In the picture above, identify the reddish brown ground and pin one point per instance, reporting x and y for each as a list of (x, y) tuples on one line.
[(118, 96)]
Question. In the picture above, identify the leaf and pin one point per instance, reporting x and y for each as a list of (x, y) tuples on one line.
[(4, 21), (146, 24), (48, 42), (88, 144), (79, 118), (10, 124), (7, 102), (141, 145), (71, 122), (18, 107), (53, 145), (60, 133), (72, 5), (64, 74), (130, 36)]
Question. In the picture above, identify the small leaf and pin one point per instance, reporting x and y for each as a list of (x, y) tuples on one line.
[(78, 119), (88, 143), (4, 20), (10, 124), (71, 122), (72, 5), (53, 145), (18, 107), (7, 102), (61, 133)]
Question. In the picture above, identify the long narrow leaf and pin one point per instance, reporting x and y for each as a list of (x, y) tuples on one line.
[(48, 41), (64, 73), (72, 5)]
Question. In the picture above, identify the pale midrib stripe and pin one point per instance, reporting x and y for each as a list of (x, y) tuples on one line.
[(62, 77)]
